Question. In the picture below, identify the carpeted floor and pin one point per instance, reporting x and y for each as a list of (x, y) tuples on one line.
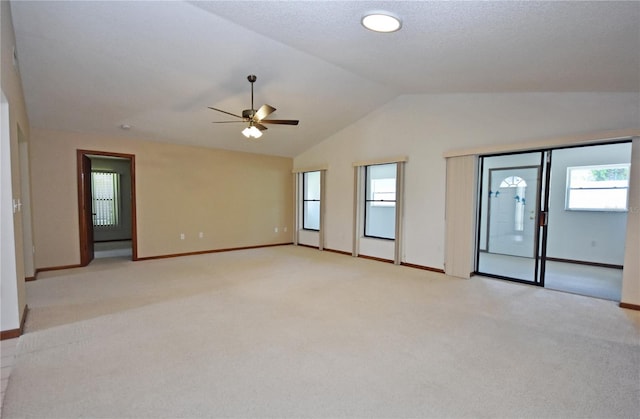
[(294, 332)]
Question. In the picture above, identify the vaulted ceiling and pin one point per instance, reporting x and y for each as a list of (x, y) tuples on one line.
[(156, 66)]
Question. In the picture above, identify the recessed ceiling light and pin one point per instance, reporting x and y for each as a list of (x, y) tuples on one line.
[(125, 126), (381, 22)]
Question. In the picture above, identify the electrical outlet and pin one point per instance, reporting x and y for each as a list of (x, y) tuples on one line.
[(275, 229), (201, 234), (181, 236)]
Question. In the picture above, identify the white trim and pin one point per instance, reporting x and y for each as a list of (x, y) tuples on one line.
[(555, 142), (10, 311), (296, 205), (299, 208), (310, 169), (569, 188), (631, 271), (357, 209), (381, 161), (397, 251), (323, 208)]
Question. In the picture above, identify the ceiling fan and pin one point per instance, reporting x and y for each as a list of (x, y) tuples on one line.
[(255, 118)]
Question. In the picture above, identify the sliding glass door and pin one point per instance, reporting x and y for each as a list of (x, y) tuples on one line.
[(556, 218), (513, 210)]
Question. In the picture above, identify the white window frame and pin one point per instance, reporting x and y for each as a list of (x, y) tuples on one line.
[(305, 200), (359, 204), (607, 186), (378, 198)]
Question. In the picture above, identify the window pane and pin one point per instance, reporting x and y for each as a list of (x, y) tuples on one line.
[(105, 195), (599, 188), (598, 199), (312, 185), (311, 215), (599, 177), (380, 221), (383, 190), (381, 182), (380, 197)]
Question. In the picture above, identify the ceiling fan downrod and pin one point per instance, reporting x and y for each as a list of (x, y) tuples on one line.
[(252, 79)]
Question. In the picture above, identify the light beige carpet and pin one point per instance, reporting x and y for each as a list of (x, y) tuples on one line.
[(294, 332)]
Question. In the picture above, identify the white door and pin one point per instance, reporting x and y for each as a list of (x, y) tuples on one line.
[(512, 211)]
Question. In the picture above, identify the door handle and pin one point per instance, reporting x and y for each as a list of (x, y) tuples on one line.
[(543, 219)]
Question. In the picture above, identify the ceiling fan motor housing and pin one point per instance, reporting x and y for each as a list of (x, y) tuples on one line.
[(248, 113)]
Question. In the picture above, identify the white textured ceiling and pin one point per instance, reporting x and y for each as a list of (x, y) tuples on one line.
[(92, 66)]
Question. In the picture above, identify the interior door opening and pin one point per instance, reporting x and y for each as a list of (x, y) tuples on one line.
[(106, 198), (509, 213), (555, 218)]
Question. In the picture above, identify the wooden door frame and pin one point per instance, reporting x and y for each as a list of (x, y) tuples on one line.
[(85, 210), (82, 224)]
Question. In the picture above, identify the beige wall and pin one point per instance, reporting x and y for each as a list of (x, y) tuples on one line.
[(14, 302), (235, 199)]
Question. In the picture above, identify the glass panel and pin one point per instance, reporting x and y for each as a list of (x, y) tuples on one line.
[(609, 176), (593, 235), (311, 201), (311, 215), (381, 182), (593, 177), (597, 187), (597, 199), (105, 194), (380, 220), (312, 185), (380, 197), (508, 225), (383, 190)]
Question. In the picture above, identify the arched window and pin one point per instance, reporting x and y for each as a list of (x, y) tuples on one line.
[(513, 182)]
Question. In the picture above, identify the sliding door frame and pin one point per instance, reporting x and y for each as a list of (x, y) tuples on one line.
[(542, 207), (539, 262)]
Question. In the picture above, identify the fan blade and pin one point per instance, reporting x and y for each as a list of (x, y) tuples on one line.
[(264, 111), (280, 121), (227, 122), (228, 113), (259, 126)]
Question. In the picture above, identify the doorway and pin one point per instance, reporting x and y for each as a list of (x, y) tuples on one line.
[(511, 210), (511, 200), (106, 200), (555, 218)]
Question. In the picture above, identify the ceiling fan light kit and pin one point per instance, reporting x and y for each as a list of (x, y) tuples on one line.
[(252, 132), (254, 117)]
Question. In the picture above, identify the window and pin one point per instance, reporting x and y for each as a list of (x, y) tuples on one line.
[(105, 189), (311, 200), (597, 188), (380, 201)]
